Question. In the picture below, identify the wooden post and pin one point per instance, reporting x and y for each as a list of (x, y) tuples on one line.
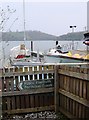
[(56, 88), (31, 45), (0, 97)]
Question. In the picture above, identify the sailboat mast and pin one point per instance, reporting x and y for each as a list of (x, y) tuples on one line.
[(24, 19)]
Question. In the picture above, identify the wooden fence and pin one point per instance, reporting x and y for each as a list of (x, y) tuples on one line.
[(74, 91), (69, 92)]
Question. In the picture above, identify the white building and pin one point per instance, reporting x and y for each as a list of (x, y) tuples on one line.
[(88, 15)]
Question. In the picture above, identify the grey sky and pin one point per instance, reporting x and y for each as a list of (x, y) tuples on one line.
[(49, 17)]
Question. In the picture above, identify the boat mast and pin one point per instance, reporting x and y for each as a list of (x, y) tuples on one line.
[(25, 24), (24, 20)]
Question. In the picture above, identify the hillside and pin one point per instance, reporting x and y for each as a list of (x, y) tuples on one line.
[(37, 35), (30, 35), (75, 36)]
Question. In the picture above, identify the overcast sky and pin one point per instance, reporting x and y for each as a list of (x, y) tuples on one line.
[(49, 17)]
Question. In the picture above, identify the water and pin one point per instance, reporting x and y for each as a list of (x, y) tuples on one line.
[(61, 60), (42, 46)]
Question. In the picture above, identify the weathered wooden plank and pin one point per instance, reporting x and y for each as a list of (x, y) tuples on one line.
[(35, 68), (74, 97), (50, 67), (3, 84), (27, 102), (74, 110), (87, 113), (46, 100), (12, 83), (4, 104), (41, 100), (77, 110), (32, 101), (51, 99), (27, 110), (25, 92), (67, 104), (36, 101), (8, 103), (84, 89), (13, 102), (7, 79), (80, 111), (73, 85), (16, 82), (60, 81), (45, 68), (87, 91), (70, 85), (30, 69), (71, 106), (16, 69), (20, 69), (26, 69), (77, 87), (22, 101), (56, 87), (26, 73), (66, 113), (67, 84), (83, 111), (18, 102), (73, 74), (81, 88), (40, 68)]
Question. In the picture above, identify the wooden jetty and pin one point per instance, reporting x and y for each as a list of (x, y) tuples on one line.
[(59, 87)]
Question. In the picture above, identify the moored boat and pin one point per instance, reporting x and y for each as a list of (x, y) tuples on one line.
[(56, 51), (86, 38)]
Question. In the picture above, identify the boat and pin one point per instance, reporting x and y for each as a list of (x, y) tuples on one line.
[(56, 51), (21, 56), (86, 38), (78, 55)]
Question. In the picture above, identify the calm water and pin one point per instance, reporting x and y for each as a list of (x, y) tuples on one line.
[(42, 46)]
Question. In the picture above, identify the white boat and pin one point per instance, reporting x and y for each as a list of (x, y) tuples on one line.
[(69, 55), (20, 55), (56, 52)]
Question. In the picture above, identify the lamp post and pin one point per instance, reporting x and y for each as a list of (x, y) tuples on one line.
[(72, 27)]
